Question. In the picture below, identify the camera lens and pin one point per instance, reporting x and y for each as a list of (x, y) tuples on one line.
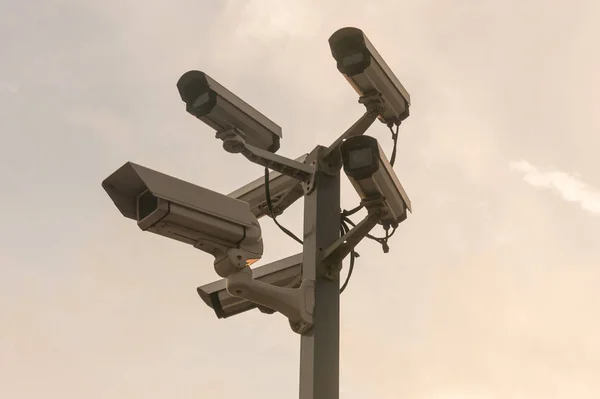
[(146, 204), (360, 158), (353, 59)]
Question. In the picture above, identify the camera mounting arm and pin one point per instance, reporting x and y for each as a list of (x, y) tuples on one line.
[(297, 304), (234, 142), (374, 104)]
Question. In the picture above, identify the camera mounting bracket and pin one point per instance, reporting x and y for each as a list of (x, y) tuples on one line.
[(297, 304), (234, 142)]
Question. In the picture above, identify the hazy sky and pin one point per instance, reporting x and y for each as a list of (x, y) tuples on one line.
[(490, 290)]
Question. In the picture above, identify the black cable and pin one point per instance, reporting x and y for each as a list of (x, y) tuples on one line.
[(395, 138), (383, 241), (369, 236), (343, 228), (353, 256), (270, 207), (350, 270), (352, 211), (392, 233)]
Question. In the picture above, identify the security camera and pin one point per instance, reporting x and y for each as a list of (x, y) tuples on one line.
[(214, 223), (282, 273), (369, 75), (372, 176), (284, 191), (222, 110)]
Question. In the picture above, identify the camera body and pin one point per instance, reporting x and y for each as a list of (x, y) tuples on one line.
[(372, 176), (212, 222), (367, 72), (222, 110)]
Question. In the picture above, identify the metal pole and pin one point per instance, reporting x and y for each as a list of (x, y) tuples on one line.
[(319, 351)]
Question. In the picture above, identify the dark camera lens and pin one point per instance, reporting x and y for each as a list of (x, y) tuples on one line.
[(146, 204), (350, 51), (352, 59), (360, 158)]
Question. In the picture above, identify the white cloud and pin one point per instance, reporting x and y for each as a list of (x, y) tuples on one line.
[(271, 19), (12, 87), (569, 186)]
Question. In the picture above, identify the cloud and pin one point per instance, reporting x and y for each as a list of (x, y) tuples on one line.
[(12, 87), (270, 19), (569, 186)]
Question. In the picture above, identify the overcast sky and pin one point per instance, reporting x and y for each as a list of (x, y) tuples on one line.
[(490, 290)]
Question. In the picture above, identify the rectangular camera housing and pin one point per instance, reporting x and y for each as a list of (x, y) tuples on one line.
[(180, 210), (284, 190), (282, 273), (222, 110), (367, 72), (372, 176)]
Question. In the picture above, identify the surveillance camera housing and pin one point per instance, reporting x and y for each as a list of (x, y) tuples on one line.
[(282, 273), (372, 176), (222, 110), (367, 72), (173, 208), (284, 190)]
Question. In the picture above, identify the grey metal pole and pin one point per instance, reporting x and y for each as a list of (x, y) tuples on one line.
[(319, 351)]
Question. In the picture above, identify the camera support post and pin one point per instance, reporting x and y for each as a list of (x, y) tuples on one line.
[(313, 308)]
